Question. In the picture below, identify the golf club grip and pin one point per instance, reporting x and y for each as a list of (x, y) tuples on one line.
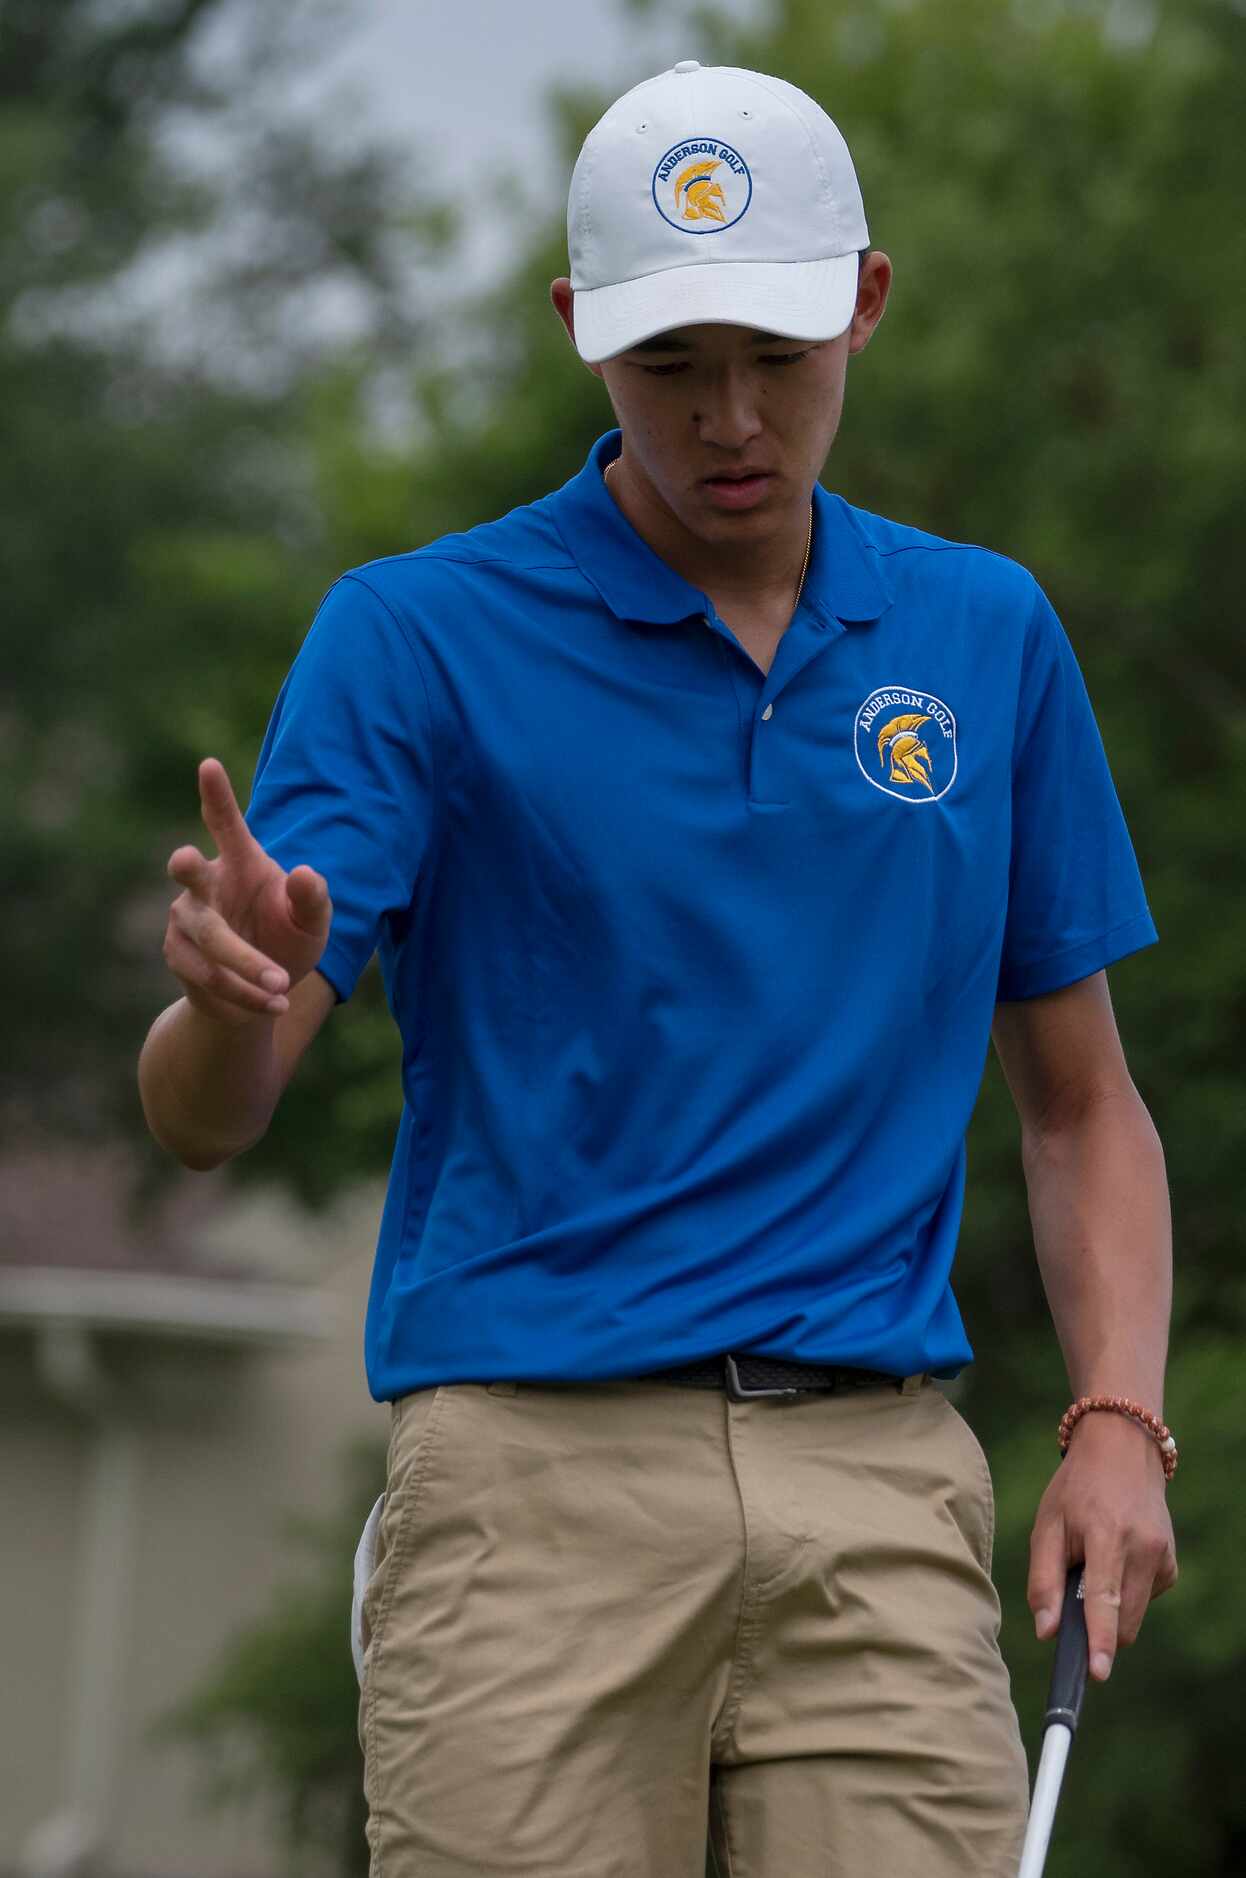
[(1068, 1672)]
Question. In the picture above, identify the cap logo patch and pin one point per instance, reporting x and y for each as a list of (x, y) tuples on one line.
[(701, 186), (906, 743)]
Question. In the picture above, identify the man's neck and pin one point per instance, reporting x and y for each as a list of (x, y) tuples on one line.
[(755, 578)]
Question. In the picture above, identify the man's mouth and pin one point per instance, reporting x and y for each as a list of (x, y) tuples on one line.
[(738, 489)]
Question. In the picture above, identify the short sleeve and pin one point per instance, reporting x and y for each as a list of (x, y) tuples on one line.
[(1075, 898), (345, 778)]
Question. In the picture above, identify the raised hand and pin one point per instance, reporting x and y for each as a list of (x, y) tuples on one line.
[(243, 932)]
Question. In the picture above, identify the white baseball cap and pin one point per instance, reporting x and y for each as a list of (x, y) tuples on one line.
[(713, 194)]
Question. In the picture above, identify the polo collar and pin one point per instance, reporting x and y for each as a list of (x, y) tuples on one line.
[(845, 580)]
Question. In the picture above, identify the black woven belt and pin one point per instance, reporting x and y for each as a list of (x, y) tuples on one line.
[(744, 1377)]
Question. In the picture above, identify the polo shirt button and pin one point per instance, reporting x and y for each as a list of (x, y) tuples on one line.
[(767, 714)]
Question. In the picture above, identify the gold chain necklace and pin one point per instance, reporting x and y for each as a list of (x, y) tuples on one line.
[(804, 566)]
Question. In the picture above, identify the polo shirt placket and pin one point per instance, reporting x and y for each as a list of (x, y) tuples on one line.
[(841, 587)]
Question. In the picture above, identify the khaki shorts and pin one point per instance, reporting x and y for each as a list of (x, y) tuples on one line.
[(604, 1622)]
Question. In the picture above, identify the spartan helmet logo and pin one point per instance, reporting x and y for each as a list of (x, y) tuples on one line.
[(702, 200), (701, 186), (904, 740), (910, 759)]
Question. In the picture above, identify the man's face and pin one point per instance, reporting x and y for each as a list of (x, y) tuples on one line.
[(729, 428)]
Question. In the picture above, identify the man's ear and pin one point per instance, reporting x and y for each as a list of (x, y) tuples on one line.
[(872, 290), (563, 302)]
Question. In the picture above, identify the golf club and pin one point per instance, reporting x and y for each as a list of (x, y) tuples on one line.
[(1064, 1706)]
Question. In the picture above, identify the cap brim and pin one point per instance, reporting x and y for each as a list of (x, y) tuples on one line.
[(795, 299)]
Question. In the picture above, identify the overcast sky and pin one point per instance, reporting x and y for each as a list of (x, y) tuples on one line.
[(463, 81), (460, 85)]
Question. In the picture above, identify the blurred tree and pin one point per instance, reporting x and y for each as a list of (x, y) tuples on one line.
[(178, 264), (277, 1718), (1059, 377)]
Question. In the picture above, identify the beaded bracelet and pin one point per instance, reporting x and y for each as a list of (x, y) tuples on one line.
[(1121, 1405)]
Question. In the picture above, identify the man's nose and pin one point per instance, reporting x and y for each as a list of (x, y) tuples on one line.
[(728, 414)]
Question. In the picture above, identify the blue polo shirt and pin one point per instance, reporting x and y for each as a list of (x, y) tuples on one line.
[(694, 967)]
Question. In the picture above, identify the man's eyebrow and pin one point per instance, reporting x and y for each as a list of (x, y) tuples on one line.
[(662, 342), (665, 342)]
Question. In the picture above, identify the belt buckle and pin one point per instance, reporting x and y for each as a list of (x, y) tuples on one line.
[(738, 1393)]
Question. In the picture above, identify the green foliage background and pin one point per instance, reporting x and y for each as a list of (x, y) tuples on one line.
[(1060, 376)]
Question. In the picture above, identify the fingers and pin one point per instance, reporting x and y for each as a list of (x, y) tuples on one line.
[(1050, 1558), (1049, 1565), (222, 817), (203, 950), (308, 896), (191, 870), (202, 947), (1103, 1603), (1167, 1574), (1123, 1574), (1150, 1570), (197, 972), (1111, 1514), (221, 945)]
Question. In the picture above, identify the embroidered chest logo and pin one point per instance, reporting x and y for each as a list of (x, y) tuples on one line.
[(906, 743), (701, 186)]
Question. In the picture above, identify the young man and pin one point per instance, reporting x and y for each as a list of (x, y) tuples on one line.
[(705, 826)]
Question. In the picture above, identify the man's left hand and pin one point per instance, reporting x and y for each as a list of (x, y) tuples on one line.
[(1104, 1506)]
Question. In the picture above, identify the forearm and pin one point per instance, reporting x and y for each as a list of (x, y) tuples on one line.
[(1099, 1205), (209, 1088)]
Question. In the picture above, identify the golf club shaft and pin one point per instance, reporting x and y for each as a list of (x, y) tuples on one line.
[(1056, 1744), (1064, 1707)]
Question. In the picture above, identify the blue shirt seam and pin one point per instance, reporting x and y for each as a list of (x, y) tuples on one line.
[(946, 547), (435, 832), (495, 560), (1030, 649), (428, 702), (579, 566), (1021, 734), (511, 564), (1093, 939)]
